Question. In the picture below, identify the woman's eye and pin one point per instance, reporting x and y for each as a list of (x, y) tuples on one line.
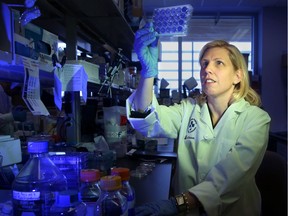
[(219, 62), (204, 64)]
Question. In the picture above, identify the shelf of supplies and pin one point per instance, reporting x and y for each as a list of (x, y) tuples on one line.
[(99, 23)]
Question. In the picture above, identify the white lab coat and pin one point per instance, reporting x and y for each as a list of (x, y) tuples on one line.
[(218, 164)]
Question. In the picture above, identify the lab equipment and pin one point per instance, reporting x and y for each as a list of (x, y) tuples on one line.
[(172, 21), (113, 69), (127, 190), (35, 186), (189, 85), (111, 201), (90, 190)]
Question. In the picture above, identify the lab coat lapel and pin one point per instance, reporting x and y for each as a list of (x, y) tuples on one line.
[(205, 117), (232, 113)]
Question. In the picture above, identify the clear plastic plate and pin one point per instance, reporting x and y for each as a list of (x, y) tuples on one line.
[(172, 21)]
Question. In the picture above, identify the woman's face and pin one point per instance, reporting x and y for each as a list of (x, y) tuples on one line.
[(218, 76)]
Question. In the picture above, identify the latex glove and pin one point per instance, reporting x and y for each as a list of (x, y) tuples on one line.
[(19, 114), (145, 46), (159, 208)]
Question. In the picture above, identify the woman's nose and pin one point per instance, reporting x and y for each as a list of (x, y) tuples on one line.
[(207, 69), (209, 66)]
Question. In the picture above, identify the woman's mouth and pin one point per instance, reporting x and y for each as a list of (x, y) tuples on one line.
[(209, 81)]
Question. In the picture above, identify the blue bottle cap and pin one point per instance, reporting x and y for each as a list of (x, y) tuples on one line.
[(38, 147)]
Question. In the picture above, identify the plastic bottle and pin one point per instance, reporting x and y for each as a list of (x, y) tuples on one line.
[(90, 190), (68, 203), (35, 186), (111, 201), (127, 190)]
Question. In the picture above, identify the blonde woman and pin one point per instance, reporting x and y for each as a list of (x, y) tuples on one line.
[(222, 134)]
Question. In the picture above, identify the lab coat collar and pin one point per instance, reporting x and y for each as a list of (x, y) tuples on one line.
[(232, 111), (239, 106)]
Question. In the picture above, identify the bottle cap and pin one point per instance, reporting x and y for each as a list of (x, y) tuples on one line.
[(110, 183), (37, 146), (124, 173), (90, 175)]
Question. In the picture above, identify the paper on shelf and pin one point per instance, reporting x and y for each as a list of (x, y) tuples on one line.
[(31, 87)]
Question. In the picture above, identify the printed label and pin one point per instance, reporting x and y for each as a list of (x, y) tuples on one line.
[(18, 195)]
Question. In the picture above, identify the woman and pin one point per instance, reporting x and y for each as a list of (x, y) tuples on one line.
[(222, 134)]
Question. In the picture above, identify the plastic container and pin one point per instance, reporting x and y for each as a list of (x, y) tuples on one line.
[(68, 203), (172, 21), (111, 201), (90, 190), (70, 164), (35, 186), (127, 190)]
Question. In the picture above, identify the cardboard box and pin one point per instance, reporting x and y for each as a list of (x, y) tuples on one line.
[(10, 150)]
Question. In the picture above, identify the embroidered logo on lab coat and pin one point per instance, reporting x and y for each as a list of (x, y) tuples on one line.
[(191, 128)]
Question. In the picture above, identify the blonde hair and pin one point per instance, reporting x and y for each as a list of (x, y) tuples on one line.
[(242, 89)]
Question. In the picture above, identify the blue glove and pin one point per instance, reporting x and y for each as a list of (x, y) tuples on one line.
[(159, 208), (145, 46), (19, 114)]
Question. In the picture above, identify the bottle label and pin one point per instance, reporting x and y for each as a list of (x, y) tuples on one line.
[(32, 203), (18, 195)]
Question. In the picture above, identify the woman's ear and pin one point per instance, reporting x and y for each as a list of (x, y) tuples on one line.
[(238, 77)]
